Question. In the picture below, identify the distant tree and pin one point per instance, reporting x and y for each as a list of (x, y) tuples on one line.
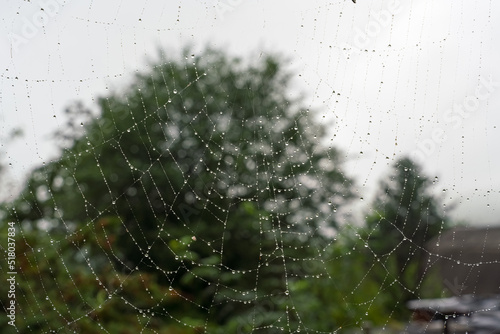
[(215, 175), (405, 215)]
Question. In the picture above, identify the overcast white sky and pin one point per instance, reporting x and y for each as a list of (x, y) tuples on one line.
[(399, 66)]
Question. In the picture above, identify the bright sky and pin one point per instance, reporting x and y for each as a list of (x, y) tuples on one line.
[(409, 76)]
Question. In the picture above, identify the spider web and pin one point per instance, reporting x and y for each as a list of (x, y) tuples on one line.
[(387, 79)]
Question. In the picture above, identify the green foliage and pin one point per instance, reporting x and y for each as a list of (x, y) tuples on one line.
[(194, 195), (64, 286), (405, 216), (340, 292)]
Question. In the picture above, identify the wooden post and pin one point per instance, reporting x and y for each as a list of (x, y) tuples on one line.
[(445, 325)]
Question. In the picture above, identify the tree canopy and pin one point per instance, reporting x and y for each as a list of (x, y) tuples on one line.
[(405, 216), (203, 174)]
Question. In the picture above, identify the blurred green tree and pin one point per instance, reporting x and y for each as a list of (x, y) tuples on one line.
[(215, 178), (405, 216)]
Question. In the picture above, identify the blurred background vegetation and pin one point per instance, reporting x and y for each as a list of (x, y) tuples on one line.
[(203, 199)]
